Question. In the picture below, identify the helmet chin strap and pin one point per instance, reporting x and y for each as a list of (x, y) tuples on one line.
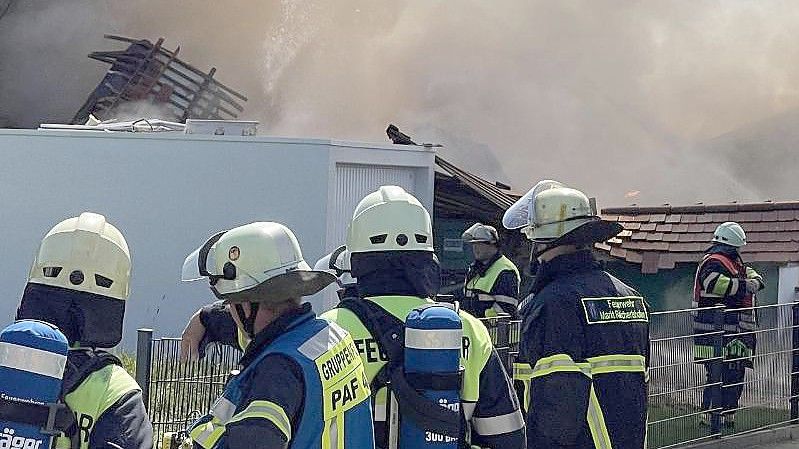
[(248, 321)]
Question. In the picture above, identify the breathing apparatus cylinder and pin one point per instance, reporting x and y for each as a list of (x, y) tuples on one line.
[(433, 340), (33, 355)]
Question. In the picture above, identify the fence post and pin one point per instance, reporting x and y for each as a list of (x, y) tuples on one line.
[(715, 370), (144, 352), (795, 363)]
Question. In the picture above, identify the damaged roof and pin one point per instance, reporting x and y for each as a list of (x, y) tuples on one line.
[(461, 193), (658, 238)]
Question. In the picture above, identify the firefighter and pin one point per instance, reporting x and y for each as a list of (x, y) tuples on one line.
[(584, 332), (212, 322), (722, 279), (492, 282), (321, 396), (390, 240), (79, 282), (338, 264)]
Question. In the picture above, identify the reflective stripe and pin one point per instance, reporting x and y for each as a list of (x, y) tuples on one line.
[(709, 279), (206, 435), (322, 341), (497, 425), (703, 352), (617, 364), (722, 284), (522, 371), (433, 338), (735, 285), (32, 360), (266, 410), (223, 409), (596, 422), (468, 409), (559, 363), (497, 298), (380, 412)]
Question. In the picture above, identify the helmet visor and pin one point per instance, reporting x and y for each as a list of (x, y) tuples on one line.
[(201, 263), (522, 212)]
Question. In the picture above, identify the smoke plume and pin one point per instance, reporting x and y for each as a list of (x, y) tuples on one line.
[(617, 98)]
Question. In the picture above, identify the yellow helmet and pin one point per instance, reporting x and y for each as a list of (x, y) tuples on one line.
[(552, 213)]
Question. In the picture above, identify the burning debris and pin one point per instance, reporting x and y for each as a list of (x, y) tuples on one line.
[(147, 76)]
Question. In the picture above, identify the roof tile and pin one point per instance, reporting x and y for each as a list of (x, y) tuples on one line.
[(674, 218), (688, 219), (639, 236), (641, 218), (757, 227), (704, 218), (664, 228), (626, 218), (633, 257), (696, 228), (655, 236), (671, 237), (785, 215), (679, 228), (618, 252), (743, 217), (610, 217), (657, 218), (710, 227), (777, 227), (625, 233), (632, 226), (648, 227), (771, 216), (720, 217)]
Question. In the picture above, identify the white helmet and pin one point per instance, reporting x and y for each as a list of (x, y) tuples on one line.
[(80, 281), (480, 233), (85, 254), (390, 219), (258, 262), (339, 267), (554, 214), (730, 233)]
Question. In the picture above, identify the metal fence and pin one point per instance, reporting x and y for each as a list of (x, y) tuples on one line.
[(179, 392), (678, 385)]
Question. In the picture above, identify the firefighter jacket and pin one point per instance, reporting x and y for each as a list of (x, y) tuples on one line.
[(585, 337), (488, 401), (492, 287), (302, 385), (720, 287), (107, 403)]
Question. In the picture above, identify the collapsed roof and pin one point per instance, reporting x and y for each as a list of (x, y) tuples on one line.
[(146, 74)]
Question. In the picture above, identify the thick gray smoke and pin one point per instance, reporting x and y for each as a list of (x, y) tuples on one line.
[(618, 98)]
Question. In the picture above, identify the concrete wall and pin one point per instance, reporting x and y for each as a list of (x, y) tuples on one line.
[(168, 193)]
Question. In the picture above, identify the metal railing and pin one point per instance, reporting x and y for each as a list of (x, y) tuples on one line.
[(690, 402), (177, 393)]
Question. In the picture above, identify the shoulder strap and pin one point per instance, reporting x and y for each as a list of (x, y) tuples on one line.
[(387, 330), (728, 263), (81, 363)]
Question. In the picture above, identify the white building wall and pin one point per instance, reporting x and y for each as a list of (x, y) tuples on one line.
[(167, 193)]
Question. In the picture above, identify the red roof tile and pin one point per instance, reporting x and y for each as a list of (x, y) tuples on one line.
[(661, 237)]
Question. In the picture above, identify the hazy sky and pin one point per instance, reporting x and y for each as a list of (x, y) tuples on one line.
[(615, 97)]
